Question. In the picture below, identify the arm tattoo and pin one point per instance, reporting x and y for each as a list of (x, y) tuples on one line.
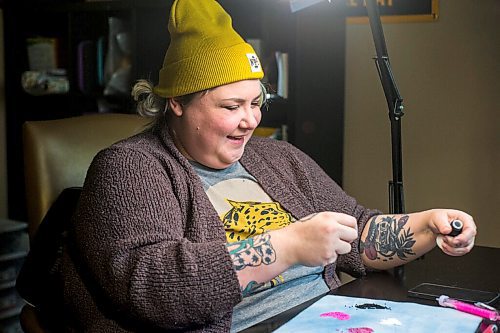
[(251, 286), (387, 238), (252, 252)]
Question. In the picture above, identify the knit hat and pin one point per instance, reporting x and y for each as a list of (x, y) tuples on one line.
[(205, 51)]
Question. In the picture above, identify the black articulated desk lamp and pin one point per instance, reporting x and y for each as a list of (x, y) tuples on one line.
[(394, 103)]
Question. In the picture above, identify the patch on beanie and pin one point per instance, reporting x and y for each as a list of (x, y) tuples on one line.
[(254, 62)]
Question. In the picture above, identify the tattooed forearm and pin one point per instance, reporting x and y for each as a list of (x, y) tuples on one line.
[(251, 286), (252, 252), (387, 238)]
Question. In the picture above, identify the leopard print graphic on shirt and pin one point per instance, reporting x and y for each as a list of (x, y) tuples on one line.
[(248, 218)]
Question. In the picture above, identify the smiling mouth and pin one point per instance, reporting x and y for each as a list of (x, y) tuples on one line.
[(236, 138)]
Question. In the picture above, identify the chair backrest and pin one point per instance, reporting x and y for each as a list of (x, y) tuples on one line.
[(57, 154)]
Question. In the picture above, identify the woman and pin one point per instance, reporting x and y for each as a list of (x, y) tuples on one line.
[(195, 225)]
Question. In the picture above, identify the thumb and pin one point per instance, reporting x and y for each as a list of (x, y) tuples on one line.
[(453, 228), (443, 227), (439, 222)]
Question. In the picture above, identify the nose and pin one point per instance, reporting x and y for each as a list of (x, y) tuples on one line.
[(251, 118)]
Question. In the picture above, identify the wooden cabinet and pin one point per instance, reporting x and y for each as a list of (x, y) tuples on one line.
[(313, 38)]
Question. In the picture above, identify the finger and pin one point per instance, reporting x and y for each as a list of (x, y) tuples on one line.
[(469, 227), (444, 246), (343, 247), (460, 242), (451, 249), (468, 233), (455, 252), (452, 242), (443, 226), (469, 243), (346, 220), (347, 233), (332, 259)]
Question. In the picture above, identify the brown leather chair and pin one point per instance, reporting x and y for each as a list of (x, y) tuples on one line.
[(57, 154)]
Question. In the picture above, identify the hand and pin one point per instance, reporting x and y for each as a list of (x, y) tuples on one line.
[(318, 239), (461, 244)]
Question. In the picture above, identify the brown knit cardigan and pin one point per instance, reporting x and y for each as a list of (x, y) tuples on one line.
[(146, 249)]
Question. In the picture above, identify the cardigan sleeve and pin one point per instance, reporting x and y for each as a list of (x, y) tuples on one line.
[(303, 187), (326, 194), (143, 254)]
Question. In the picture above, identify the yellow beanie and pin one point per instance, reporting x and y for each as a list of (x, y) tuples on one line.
[(205, 51)]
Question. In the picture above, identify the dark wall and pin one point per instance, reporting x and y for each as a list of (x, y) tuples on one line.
[(314, 38), (319, 81)]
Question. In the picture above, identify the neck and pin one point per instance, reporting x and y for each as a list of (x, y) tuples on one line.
[(178, 143)]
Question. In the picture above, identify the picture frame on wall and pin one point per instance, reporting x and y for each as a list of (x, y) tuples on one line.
[(394, 11)]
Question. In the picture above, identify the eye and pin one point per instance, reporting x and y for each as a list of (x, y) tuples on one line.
[(256, 104), (231, 107)]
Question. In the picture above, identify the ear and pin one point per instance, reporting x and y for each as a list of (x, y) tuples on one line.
[(175, 106)]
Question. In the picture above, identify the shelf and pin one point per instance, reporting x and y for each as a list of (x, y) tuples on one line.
[(314, 40)]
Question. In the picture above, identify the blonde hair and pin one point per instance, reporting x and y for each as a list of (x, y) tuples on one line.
[(148, 103)]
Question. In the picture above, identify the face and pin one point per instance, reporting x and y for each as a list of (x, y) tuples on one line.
[(214, 128)]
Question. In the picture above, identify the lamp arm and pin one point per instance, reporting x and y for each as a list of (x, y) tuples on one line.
[(394, 104)]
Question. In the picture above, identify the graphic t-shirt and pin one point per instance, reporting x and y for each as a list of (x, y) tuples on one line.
[(246, 210)]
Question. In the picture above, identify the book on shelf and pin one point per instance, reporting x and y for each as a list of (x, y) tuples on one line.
[(87, 66), (42, 53), (101, 52)]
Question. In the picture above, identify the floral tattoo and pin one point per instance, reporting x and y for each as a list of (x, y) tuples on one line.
[(252, 252), (388, 238)]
